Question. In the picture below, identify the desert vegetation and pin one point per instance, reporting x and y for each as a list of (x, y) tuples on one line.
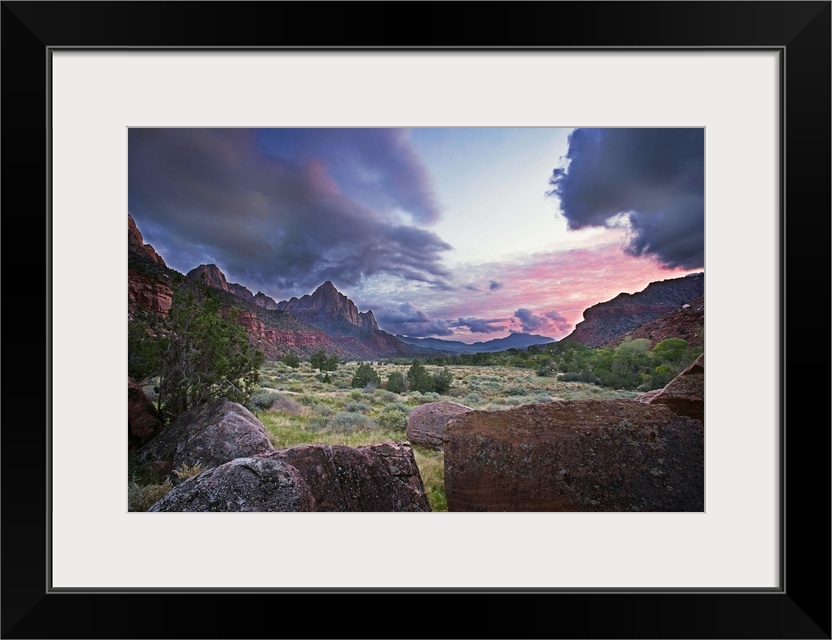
[(197, 353), (297, 407), (632, 365)]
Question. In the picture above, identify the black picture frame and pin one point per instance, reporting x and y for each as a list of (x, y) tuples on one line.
[(800, 31)]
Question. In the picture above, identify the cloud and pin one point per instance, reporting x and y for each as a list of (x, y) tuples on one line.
[(410, 321), (531, 322), (376, 165), (651, 180), (479, 325), (285, 207), (493, 285)]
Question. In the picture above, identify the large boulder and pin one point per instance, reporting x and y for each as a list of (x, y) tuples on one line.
[(426, 423), (685, 394), (210, 435), (245, 484), (580, 455), (143, 420), (379, 477)]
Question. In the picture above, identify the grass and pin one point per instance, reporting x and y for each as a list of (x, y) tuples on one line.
[(297, 408)]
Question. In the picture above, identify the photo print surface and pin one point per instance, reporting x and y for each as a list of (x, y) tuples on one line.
[(427, 319)]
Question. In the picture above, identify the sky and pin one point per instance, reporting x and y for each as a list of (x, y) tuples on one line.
[(457, 233)]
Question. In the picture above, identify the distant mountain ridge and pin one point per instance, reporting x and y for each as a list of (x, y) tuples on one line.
[(513, 341), (687, 323), (328, 308), (626, 312), (327, 319), (211, 275), (331, 321)]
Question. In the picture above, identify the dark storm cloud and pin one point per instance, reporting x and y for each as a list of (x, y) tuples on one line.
[(376, 165), (479, 325), (226, 196), (548, 321), (410, 321), (655, 178)]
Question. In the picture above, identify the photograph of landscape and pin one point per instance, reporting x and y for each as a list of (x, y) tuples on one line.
[(428, 319)]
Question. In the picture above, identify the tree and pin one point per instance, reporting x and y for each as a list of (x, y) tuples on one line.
[(364, 375), (672, 352), (395, 382), (318, 360), (441, 382), (197, 353), (417, 377), (420, 380), (291, 360)]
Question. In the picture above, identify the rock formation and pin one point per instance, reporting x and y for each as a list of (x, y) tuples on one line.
[(328, 308), (244, 484), (685, 323), (211, 275), (380, 477), (606, 321), (149, 293), (135, 242), (210, 434), (262, 300), (579, 455), (426, 423)]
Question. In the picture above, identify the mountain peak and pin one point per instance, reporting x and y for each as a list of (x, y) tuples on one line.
[(328, 308), (136, 244), (211, 275)]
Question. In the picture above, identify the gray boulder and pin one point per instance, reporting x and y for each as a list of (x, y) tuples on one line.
[(246, 484), (210, 435), (426, 423)]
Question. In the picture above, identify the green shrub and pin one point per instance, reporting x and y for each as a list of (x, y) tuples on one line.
[(142, 497), (346, 421), (420, 380), (472, 399), (394, 416), (395, 382), (385, 396), (319, 360), (285, 404), (198, 351), (357, 407), (441, 382), (262, 400), (364, 375), (291, 360)]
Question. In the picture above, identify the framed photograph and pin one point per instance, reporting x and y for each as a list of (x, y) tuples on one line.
[(78, 77)]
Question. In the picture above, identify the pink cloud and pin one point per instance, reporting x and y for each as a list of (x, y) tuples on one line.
[(555, 288)]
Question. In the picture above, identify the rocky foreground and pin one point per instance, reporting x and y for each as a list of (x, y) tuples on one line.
[(580, 455), (245, 473)]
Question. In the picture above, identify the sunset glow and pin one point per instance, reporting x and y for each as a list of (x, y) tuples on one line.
[(463, 234)]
